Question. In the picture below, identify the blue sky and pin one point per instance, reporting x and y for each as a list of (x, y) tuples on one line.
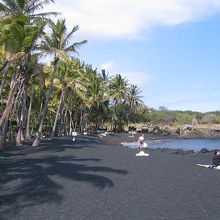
[(170, 49)]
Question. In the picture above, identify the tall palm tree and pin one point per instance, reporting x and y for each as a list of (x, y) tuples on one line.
[(133, 101), (56, 43), (133, 96), (118, 89), (69, 77), (97, 99), (19, 37)]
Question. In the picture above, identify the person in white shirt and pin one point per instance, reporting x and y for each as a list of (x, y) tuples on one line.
[(74, 134), (142, 145), (141, 141)]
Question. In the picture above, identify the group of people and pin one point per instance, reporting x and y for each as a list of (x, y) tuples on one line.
[(142, 145)]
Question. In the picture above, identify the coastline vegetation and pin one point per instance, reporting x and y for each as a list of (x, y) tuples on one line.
[(66, 93)]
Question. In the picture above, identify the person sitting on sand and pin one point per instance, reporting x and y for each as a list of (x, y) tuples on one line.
[(216, 160)]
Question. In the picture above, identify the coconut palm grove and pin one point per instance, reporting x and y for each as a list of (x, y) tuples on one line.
[(66, 93)]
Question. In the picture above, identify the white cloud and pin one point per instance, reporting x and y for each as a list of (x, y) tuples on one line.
[(118, 18), (137, 78), (134, 77)]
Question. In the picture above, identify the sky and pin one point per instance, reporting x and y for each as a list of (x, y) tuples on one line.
[(170, 49)]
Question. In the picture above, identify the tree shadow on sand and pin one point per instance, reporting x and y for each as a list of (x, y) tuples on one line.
[(59, 144), (30, 181)]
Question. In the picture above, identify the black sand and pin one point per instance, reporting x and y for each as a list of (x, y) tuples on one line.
[(89, 179)]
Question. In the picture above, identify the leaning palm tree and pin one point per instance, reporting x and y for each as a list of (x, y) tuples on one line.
[(56, 43), (19, 38), (20, 29)]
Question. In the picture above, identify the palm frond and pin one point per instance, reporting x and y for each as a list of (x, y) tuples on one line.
[(75, 28), (73, 47), (4, 8)]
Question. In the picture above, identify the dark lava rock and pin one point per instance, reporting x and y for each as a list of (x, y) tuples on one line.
[(204, 150)]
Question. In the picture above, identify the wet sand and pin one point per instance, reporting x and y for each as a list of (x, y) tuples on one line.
[(96, 178)]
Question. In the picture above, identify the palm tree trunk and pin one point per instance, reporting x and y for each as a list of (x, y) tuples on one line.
[(21, 119), (114, 120), (3, 134), (1, 139), (81, 120), (3, 79), (71, 122), (39, 133), (15, 89), (42, 93), (27, 135), (65, 122), (58, 112), (4, 65), (10, 135)]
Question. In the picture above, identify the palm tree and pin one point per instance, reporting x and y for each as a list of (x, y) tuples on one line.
[(19, 38), (25, 7), (12, 9), (57, 44), (96, 99), (133, 96), (118, 89), (133, 100), (69, 77), (21, 30)]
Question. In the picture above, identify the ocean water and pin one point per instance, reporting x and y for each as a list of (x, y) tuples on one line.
[(180, 143)]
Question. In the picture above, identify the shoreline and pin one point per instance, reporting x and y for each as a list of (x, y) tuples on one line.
[(115, 139), (90, 179), (119, 138)]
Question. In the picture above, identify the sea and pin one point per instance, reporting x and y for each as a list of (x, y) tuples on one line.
[(180, 143)]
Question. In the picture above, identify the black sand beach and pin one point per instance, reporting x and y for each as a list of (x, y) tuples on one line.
[(95, 178)]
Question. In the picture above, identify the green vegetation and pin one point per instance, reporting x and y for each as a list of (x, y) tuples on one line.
[(67, 93)]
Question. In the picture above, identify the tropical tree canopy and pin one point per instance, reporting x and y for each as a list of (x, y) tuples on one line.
[(64, 94)]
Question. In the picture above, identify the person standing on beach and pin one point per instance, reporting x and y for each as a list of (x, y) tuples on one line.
[(141, 141), (74, 134), (142, 145)]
